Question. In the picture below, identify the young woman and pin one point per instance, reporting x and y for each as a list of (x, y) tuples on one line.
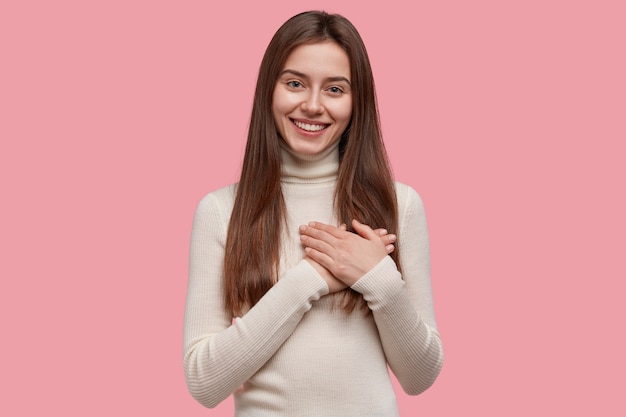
[(299, 294)]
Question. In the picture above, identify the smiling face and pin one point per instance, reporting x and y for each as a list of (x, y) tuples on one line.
[(312, 100)]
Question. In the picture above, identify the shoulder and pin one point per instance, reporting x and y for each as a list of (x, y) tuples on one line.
[(408, 198), (212, 215), (215, 208), (412, 223), (221, 199)]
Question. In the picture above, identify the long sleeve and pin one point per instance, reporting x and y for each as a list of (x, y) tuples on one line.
[(402, 306), (219, 354)]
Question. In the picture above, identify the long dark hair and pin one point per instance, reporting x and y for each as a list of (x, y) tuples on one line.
[(364, 189)]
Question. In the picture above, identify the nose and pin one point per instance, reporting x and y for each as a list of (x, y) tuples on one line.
[(313, 104)]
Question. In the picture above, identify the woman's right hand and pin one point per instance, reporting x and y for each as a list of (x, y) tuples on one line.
[(335, 285)]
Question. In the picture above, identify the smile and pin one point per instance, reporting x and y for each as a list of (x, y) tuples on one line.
[(309, 127)]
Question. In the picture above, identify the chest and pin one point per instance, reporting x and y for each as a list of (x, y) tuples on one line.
[(304, 205)]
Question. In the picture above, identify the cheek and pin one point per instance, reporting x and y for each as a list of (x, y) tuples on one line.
[(280, 108), (343, 112), (275, 103), (278, 102), (279, 117), (282, 103)]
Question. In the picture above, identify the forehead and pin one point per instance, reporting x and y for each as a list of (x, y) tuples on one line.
[(325, 58)]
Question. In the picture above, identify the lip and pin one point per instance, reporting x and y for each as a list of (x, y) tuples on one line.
[(294, 122)]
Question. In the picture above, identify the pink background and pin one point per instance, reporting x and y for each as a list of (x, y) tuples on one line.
[(509, 118)]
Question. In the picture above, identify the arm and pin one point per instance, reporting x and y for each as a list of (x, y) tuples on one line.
[(402, 305), (219, 355)]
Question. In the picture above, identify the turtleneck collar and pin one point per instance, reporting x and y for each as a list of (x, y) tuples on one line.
[(309, 169)]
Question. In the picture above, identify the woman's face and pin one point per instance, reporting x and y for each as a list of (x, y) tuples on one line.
[(312, 101)]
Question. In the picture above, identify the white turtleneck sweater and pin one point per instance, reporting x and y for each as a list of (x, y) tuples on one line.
[(293, 354)]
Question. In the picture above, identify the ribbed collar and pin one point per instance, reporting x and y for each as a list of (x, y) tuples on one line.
[(309, 169)]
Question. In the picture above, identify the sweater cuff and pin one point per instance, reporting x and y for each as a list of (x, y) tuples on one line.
[(381, 284), (308, 280)]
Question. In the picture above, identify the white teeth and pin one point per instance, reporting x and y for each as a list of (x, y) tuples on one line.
[(308, 127)]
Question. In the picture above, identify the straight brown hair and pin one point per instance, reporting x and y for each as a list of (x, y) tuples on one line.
[(364, 189)]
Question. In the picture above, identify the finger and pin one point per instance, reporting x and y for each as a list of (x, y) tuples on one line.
[(313, 233), (364, 230), (390, 249), (381, 232), (388, 239), (319, 244), (331, 230), (319, 257), (321, 231)]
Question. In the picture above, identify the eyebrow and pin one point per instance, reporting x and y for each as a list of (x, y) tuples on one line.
[(302, 75)]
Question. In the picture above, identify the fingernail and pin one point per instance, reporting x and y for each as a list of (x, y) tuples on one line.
[(312, 224), (302, 228)]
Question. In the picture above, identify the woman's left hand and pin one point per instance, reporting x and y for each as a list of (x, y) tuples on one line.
[(346, 255)]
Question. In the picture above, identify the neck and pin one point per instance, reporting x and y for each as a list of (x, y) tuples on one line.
[(319, 168)]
